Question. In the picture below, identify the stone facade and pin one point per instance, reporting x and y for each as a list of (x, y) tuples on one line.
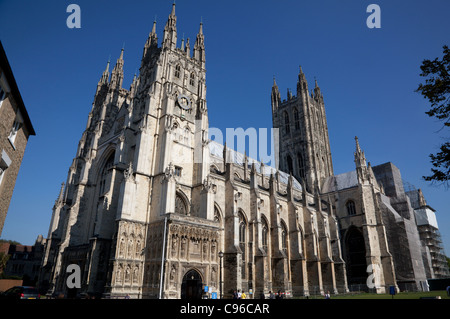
[(15, 129), (153, 209)]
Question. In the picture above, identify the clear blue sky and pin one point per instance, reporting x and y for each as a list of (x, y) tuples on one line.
[(367, 76)]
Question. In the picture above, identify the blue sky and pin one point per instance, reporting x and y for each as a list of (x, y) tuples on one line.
[(367, 77)]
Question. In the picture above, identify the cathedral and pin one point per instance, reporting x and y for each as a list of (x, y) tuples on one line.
[(152, 208)]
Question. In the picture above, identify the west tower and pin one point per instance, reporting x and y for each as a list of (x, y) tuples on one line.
[(140, 176)]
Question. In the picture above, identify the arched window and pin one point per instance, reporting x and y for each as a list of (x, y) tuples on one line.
[(301, 165), (177, 71), (287, 128), (242, 240), (284, 237), (289, 164), (296, 119), (180, 205), (106, 170), (265, 235), (192, 79), (350, 208)]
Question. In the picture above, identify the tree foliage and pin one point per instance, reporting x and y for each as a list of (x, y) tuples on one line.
[(436, 90)]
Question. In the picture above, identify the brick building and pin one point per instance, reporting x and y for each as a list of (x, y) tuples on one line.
[(24, 260), (15, 129)]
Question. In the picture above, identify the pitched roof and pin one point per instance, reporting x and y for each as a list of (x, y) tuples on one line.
[(6, 68), (340, 182)]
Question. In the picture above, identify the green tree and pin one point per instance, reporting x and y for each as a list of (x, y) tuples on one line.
[(3, 260), (437, 90)]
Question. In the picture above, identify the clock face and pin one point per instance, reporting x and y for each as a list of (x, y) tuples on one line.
[(184, 102)]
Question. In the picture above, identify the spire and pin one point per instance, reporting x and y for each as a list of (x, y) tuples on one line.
[(133, 85), (152, 37), (363, 171), (117, 72), (170, 30), (105, 76), (59, 200), (302, 84), (188, 48), (154, 27), (172, 14), (317, 92), (360, 158), (201, 27), (199, 47), (276, 98), (152, 41)]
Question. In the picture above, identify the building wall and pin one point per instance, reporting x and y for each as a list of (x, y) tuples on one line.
[(15, 151), (13, 118)]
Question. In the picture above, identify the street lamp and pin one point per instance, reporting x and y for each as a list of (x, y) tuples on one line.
[(220, 274)]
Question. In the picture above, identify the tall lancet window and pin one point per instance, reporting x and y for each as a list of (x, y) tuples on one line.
[(178, 71), (105, 175), (284, 238), (242, 240), (296, 119), (301, 165), (290, 166), (265, 235), (287, 128)]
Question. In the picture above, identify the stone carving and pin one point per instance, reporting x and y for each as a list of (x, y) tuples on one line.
[(129, 173)]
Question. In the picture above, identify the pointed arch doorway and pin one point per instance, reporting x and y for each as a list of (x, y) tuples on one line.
[(191, 286), (355, 256)]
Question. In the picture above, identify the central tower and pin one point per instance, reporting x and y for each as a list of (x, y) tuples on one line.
[(304, 146)]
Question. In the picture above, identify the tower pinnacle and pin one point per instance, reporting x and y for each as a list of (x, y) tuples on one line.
[(170, 30), (117, 72), (199, 47)]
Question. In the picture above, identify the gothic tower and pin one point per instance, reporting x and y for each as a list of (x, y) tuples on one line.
[(142, 157), (304, 146)]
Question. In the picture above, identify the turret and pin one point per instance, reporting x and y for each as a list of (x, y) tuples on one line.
[(152, 42), (199, 47), (360, 159), (362, 171), (103, 79), (105, 76), (317, 93), (117, 73), (276, 99), (302, 84), (170, 31)]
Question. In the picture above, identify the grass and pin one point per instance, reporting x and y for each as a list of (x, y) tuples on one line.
[(401, 295)]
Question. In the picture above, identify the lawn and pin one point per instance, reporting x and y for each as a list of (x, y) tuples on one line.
[(401, 295)]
